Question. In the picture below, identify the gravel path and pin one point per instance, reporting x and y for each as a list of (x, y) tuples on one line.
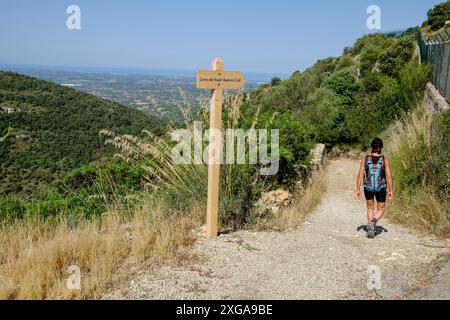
[(327, 258)]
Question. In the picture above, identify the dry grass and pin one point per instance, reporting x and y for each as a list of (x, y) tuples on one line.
[(305, 202), (35, 255), (411, 132), (417, 147), (421, 209), (163, 233)]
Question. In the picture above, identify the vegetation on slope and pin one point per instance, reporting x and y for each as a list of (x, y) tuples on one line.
[(55, 131)]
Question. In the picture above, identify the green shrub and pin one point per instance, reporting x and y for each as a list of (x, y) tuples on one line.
[(360, 125), (371, 83), (373, 111), (295, 142), (413, 78), (369, 58), (53, 205), (325, 112), (344, 84), (11, 209), (438, 16), (387, 101), (344, 62), (376, 40), (396, 56), (115, 177), (275, 81)]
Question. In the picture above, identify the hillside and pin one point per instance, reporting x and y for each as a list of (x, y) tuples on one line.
[(348, 100), (51, 129)]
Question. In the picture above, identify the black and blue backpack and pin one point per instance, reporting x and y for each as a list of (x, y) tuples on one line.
[(375, 174)]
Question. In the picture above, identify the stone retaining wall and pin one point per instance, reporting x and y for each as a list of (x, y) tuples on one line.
[(433, 100)]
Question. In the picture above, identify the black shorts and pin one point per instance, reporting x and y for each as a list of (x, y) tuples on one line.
[(380, 195)]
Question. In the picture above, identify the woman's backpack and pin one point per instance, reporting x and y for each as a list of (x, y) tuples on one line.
[(375, 174)]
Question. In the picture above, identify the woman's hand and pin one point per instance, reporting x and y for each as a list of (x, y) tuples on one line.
[(390, 195), (358, 195)]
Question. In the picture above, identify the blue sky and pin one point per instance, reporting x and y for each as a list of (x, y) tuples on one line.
[(250, 35)]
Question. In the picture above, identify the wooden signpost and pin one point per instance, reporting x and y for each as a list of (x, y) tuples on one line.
[(216, 80)]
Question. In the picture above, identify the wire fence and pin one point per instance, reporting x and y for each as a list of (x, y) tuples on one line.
[(436, 51)]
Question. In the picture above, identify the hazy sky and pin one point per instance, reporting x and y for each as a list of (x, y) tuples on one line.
[(277, 36)]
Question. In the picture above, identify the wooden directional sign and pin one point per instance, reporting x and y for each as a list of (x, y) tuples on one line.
[(217, 80)]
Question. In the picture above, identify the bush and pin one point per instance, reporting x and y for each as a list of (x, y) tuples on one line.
[(373, 110), (413, 79), (295, 142), (11, 209), (371, 83), (396, 56), (344, 62), (343, 83), (360, 125), (387, 101), (325, 112), (371, 39), (113, 178), (438, 16), (275, 81), (52, 206), (369, 58)]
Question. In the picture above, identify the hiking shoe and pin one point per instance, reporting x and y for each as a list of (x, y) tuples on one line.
[(371, 230)]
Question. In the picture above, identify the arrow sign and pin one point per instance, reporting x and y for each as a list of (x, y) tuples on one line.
[(231, 80)]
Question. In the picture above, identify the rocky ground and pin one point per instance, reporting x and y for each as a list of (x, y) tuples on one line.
[(326, 258)]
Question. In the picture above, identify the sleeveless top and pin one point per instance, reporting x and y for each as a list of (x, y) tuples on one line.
[(375, 173)]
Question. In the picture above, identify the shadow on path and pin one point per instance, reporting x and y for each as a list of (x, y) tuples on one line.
[(378, 229)]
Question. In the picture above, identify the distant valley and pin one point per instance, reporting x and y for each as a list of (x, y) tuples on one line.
[(156, 94)]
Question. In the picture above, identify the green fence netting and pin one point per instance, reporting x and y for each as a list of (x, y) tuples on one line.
[(436, 51)]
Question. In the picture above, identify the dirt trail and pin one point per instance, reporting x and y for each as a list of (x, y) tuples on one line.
[(327, 258)]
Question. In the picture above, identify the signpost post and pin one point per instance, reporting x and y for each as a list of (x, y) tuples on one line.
[(217, 80)]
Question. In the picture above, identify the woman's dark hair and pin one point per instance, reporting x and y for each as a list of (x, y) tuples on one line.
[(377, 145)]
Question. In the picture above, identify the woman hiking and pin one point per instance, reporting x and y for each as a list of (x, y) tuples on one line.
[(375, 172)]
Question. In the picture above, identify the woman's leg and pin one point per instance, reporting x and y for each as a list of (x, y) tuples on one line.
[(381, 206), (370, 210)]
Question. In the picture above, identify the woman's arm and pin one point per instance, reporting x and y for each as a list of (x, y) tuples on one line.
[(360, 178), (390, 180)]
